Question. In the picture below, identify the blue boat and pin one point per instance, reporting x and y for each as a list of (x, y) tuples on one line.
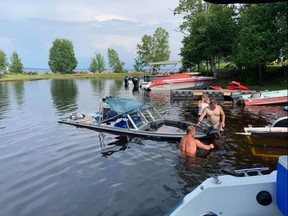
[(265, 98)]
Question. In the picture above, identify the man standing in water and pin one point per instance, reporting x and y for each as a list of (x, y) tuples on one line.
[(188, 143), (213, 112)]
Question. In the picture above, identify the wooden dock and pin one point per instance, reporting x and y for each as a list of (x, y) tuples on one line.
[(219, 95)]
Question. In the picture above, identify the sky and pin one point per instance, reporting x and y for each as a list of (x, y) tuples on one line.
[(29, 28)]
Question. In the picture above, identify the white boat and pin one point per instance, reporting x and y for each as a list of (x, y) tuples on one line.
[(278, 129), (123, 116), (178, 81), (248, 195)]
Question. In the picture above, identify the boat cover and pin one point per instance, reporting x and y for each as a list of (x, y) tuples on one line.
[(124, 105)]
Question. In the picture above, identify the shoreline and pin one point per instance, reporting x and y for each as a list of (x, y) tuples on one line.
[(30, 77), (105, 75)]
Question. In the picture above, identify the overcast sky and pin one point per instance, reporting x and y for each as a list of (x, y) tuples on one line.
[(29, 27)]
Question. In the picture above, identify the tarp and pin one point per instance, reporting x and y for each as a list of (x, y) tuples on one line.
[(125, 105)]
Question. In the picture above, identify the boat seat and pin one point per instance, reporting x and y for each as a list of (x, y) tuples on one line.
[(281, 184), (121, 124)]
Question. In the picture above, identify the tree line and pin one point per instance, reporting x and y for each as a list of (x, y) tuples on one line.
[(62, 57), (249, 36)]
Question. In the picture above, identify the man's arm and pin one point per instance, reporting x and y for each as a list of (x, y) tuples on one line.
[(203, 146), (222, 117)]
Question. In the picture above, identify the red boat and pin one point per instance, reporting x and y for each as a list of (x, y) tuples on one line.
[(215, 87), (179, 81), (232, 86), (236, 85)]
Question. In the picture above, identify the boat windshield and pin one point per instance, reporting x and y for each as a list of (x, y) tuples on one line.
[(137, 119), (151, 115)]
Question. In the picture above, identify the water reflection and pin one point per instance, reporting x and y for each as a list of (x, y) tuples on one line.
[(108, 148), (98, 86), (110, 145), (4, 102), (265, 112), (116, 87), (64, 95), (19, 92)]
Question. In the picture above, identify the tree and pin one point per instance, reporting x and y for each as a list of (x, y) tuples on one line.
[(16, 65), (114, 61), (61, 57), (97, 63), (209, 32), (144, 53), (261, 38), (153, 48), (3, 62)]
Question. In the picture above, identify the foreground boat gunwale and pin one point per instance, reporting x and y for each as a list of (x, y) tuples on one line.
[(260, 194)]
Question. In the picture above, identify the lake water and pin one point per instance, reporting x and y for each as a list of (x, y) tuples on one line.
[(50, 169)]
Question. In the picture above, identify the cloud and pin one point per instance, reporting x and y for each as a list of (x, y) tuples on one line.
[(92, 26)]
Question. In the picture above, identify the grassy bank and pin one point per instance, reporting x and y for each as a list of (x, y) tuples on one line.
[(22, 77)]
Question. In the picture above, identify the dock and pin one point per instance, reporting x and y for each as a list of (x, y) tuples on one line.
[(220, 95)]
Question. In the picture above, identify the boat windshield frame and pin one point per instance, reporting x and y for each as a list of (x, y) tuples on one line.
[(135, 120), (144, 117)]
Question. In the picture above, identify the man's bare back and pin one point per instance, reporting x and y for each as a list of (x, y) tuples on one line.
[(188, 144)]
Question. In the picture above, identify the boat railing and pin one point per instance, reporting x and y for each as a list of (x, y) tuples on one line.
[(249, 171)]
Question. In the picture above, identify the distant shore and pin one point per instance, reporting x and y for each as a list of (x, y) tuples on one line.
[(27, 77)]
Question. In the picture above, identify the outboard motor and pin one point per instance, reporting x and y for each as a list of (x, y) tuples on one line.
[(135, 90), (213, 133), (135, 81), (126, 81)]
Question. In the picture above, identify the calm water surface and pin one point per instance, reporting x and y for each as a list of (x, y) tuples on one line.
[(52, 169)]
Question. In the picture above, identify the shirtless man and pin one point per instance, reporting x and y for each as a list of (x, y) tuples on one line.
[(214, 113), (188, 144)]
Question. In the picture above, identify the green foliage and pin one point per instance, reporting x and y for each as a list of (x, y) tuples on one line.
[(97, 63), (3, 62), (188, 9), (16, 65), (114, 61), (261, 38), (211, 31), (61, 57), (153, 48), (250, 36)]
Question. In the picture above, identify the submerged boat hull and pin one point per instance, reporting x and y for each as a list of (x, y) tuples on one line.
[(124, 116), (163, 132)]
